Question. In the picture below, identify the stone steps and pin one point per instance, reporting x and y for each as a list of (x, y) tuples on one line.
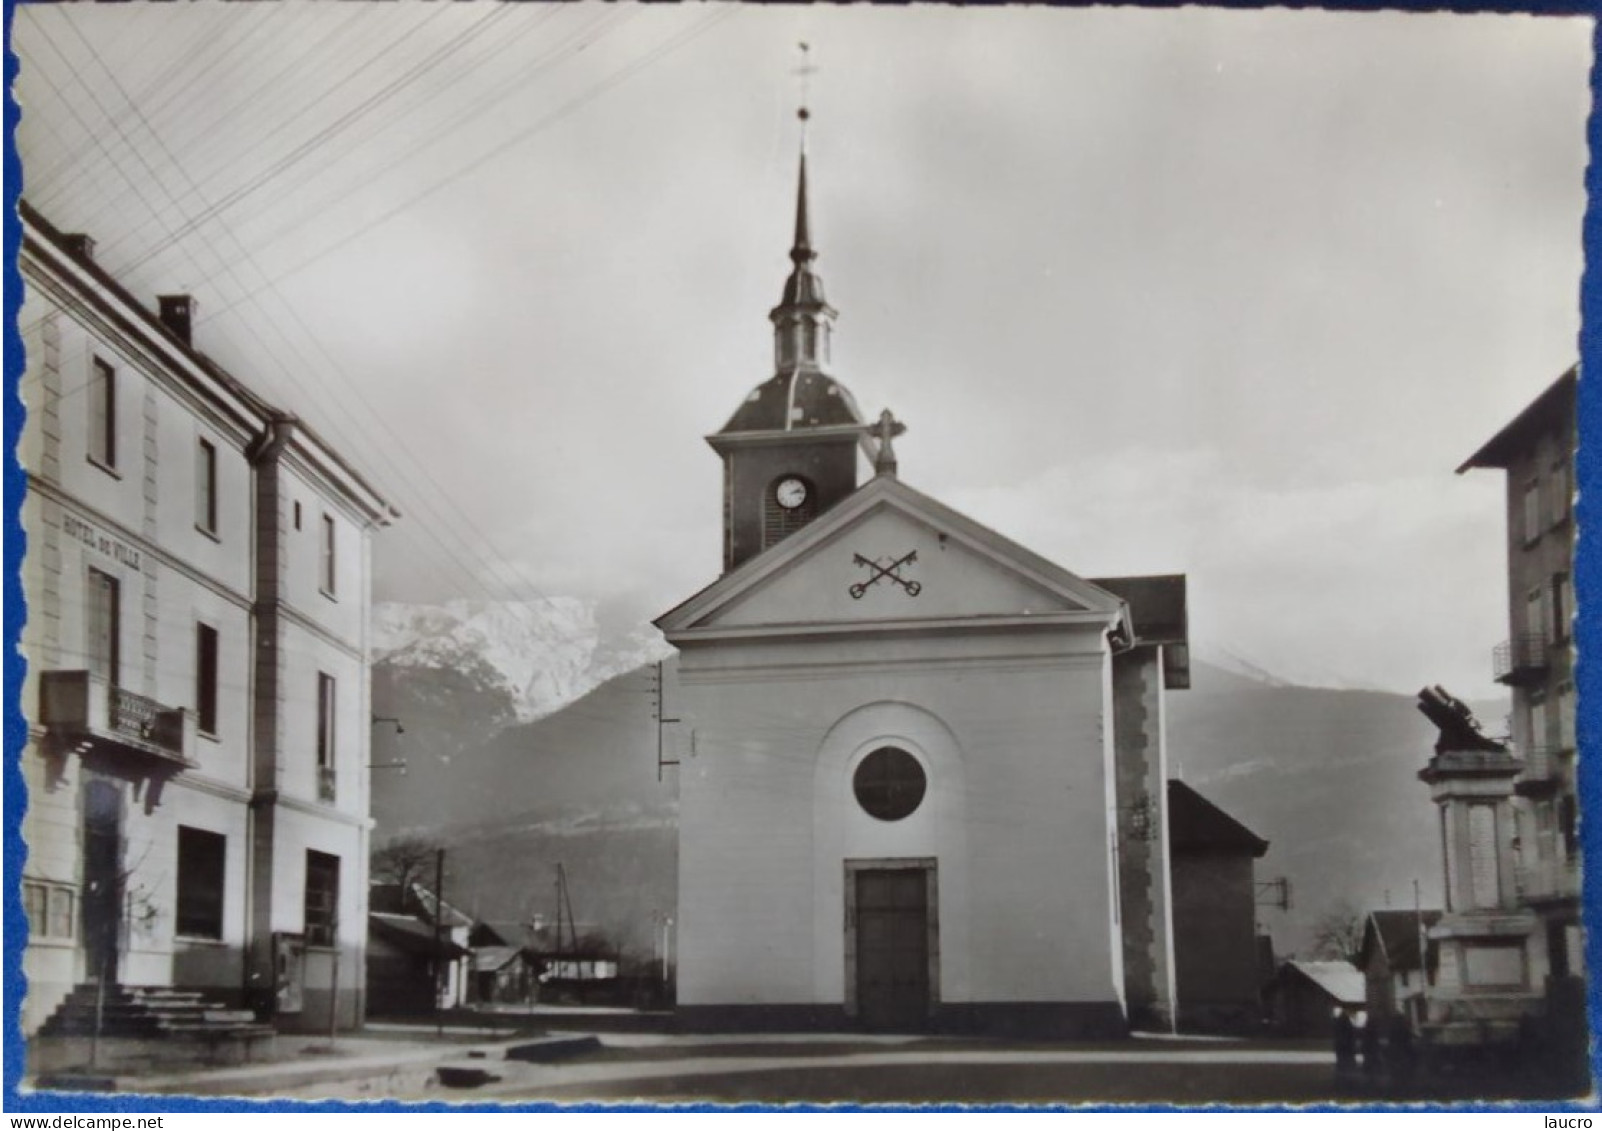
[(126, 1011)]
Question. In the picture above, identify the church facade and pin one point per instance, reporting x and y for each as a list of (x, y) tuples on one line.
[(921, 767)]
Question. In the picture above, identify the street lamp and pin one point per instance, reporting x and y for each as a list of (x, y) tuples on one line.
[(394, 764), (392, 720)]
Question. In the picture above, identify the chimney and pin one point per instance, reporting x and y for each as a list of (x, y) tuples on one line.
[(178, 315), (80, 246)]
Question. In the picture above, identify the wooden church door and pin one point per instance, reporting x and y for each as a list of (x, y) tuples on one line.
[(892, 948)]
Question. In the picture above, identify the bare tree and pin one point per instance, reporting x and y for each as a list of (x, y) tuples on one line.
[(405, 860), (1338, 932)]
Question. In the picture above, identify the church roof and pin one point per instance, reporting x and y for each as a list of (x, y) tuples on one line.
[(889, 491), (801, 398), (1156, 605), (1195, 824), (1159, 615), (803, 287)]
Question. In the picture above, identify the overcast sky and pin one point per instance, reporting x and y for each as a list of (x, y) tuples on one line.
[(1228, 293)]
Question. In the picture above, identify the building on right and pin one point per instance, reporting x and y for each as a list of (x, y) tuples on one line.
[(1536, 662), (1536, 450)]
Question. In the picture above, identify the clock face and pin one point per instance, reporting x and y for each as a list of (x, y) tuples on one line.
[(790, 493)]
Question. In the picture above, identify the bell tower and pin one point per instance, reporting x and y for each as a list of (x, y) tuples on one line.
[(790, 450)]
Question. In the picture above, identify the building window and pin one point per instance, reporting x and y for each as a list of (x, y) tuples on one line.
[(1532, 511), (1535, 618), (809, 340), (103, 625), (51, 910), (297, 514), (1562, 606), (201, 859), (328, 564), (889, 784), (1568, 819), (206, 486), (1565, 708), (325, 736), (322, 898), (1538, 738), (103, 415), (1562, 490), (206, 678)]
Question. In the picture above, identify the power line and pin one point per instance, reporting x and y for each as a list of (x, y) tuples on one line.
[(333, 130), (183, 55), (661, 50), (471, 576), (572, 105)]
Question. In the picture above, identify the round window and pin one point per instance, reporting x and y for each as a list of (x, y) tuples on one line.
[(889, 783)]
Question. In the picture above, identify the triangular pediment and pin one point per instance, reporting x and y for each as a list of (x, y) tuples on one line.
[(891, 555)]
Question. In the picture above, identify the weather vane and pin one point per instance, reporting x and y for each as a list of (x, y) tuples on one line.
[(806, 70)]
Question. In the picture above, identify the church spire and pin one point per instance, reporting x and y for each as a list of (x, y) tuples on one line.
[(802, 251), (803, 320)]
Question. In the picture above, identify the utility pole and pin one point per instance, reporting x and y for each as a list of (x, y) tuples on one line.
[(333, 990), (439, 950)]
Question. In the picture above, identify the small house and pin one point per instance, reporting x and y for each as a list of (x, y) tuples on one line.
[(1303, 997), (1397, 960)]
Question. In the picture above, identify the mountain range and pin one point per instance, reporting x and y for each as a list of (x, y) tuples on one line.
[(530, 740)]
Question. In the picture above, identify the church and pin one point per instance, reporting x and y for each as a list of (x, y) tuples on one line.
[(922, 769)]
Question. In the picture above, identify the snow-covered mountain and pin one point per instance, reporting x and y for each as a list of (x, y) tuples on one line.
[(544, 654)]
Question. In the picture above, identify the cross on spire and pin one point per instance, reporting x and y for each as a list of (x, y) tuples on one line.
[(888, 427)]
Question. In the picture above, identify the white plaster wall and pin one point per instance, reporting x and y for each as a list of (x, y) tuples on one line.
[(185, 604), (298, 831), (71, 603), (954, 580), (51, 829), (119, 493), (1011, 725), (200, 962), (305, 655), (225, 555), (342, 612)]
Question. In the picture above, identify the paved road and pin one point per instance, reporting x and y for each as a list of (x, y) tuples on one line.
[(659, 1070)]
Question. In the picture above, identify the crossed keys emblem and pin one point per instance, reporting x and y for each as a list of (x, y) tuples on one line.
[(891, 571)]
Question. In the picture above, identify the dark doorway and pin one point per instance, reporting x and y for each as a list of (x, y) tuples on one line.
[(102, 877), (892, 948)]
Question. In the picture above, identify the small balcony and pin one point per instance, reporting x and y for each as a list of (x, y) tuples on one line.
[(87, 711), (1521, 660), (1549, 880), (326, 783)]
